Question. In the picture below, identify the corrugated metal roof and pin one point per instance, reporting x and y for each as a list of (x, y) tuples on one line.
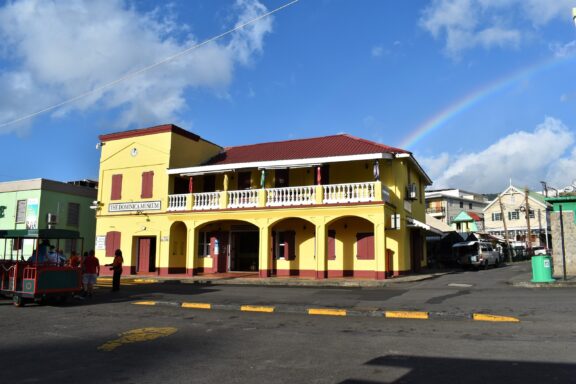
[(326, 146)]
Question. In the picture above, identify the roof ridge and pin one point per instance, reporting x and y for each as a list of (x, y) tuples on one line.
[(284, 141)]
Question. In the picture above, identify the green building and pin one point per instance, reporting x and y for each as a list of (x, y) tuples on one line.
[(41, 204)]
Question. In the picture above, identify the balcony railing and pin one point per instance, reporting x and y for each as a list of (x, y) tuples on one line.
[(285, 197), (348, 193), (243, 199), (277, 197), (435, 210), (205, 201)]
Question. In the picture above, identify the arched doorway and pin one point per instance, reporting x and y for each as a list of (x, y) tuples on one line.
[(229, 246), (351, 248)]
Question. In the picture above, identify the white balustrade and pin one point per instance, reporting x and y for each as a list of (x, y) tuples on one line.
[(177, 202), (284, 197), (243, 199), (206, 200), (348, 193)]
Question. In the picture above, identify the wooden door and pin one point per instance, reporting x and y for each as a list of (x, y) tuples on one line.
[(144, 255)]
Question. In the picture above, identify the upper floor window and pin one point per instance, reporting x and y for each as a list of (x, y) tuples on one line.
[(21, 211), (469, 205), (116, 193), (514, 215), (73, 217), (147, 184), (461, 204), (531, 214), (496, 216)]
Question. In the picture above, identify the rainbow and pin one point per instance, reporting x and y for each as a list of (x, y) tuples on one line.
[(476, 96)]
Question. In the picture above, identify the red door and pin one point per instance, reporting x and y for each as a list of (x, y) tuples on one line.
[(144, 255)]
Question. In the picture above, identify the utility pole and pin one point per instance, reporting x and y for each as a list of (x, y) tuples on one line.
[(528, 240), (505, 229)]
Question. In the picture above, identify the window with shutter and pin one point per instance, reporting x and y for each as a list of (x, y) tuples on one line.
[(365, 246), (147, 184), (116, 187), (112, 242), (21, 211), (73, 217), (331, 244)]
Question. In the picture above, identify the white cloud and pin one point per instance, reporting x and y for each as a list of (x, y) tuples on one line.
[(526, 157), (466, 24), (80, 45), (377, 51)]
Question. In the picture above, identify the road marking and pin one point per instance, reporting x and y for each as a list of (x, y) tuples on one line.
[(137, 335), (496, 318), (144, 303), (461, 285), (327, 312), (197, 305), (257, 308), (406, 315), (145, 281)]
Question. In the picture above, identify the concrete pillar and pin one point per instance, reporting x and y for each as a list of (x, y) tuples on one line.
[(191, 257), (380, 249), (264, 255), (321, 250)]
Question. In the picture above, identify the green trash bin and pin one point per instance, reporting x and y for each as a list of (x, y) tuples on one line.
[(542, 269)]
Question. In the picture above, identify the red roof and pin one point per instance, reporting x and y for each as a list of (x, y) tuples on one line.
[(326, 146), (474, 216)]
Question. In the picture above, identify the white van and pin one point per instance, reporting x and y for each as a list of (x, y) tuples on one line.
[(477, 254)]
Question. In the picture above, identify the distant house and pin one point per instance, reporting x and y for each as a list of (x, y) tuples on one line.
[(468, 222), (519, 211), (40, 204), (446, 204)]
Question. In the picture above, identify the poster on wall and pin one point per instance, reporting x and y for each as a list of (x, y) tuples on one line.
[(32, 213)]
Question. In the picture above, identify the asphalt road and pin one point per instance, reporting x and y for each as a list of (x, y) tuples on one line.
[(109, 339)]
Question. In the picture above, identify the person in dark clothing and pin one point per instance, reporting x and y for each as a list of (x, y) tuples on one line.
[(116, 266)]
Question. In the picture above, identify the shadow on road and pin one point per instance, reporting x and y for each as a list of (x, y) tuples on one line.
[(450, 370)]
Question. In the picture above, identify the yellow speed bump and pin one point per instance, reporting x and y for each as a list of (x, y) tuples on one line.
[(327, 312), (406, 315), (197, 305), (256, 308), (145, 281), (495, 318), (144, 303)]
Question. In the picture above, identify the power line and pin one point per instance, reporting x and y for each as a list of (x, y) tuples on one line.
[(147, 68)]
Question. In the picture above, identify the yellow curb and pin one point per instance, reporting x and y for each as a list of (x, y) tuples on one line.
[(406, 315), (197, 305), (145, 281), (144, 303), (496, 318), (327, 312), (256, 308)]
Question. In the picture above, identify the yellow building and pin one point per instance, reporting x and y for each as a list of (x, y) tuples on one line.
[(333, 206)]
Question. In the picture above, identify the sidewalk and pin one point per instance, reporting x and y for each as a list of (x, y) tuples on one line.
[(253, 279)]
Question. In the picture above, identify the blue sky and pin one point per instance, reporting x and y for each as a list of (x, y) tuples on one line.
[(481, 91)]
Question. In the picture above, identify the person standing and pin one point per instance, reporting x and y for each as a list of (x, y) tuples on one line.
[(116, 266), (91, 271)]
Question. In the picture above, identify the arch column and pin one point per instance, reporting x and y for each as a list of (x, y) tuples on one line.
[(191, 259), (380, 250), (321, 262), (264, 264)]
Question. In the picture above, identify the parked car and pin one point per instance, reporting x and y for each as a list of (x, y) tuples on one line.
[(476, 254)]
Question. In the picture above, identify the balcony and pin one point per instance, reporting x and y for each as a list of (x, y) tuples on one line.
[(436, 211), (278, 197)]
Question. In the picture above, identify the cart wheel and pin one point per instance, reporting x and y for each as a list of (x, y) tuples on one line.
[(18, 301)]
